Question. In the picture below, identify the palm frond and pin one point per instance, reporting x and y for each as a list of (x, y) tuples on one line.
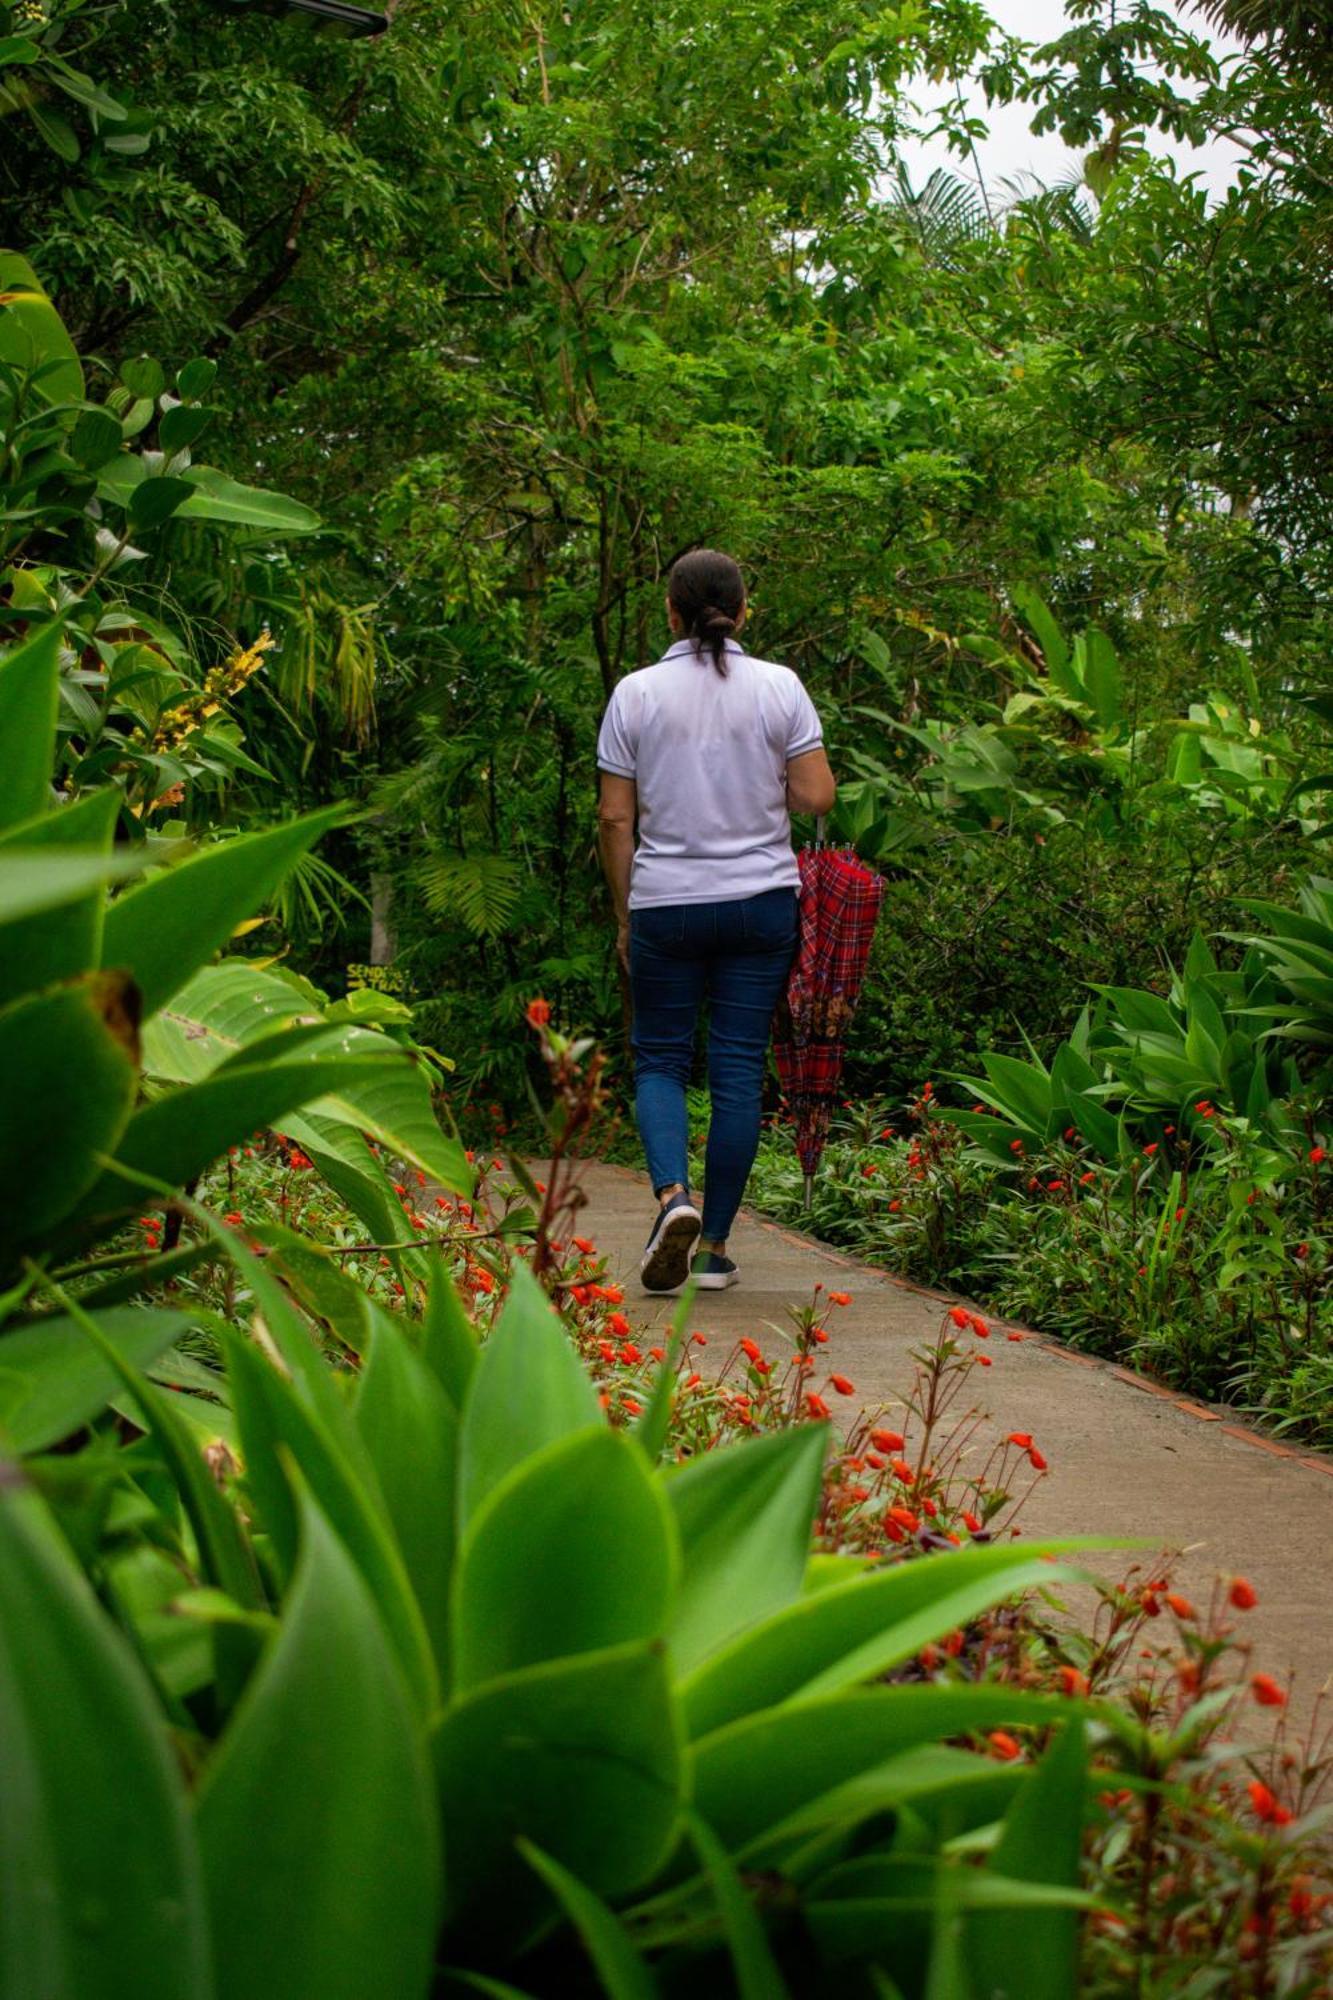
[(944, 213), (1301, 31), (480, 890)]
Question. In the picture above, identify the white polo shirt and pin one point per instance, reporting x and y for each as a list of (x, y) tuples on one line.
[(708, 756)]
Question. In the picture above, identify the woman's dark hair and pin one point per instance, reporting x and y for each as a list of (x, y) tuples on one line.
[(707, 590)]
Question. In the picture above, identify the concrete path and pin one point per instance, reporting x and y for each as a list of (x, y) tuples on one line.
[(1125, 1458)]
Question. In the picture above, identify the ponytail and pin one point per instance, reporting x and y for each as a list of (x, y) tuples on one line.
[(707, 591)]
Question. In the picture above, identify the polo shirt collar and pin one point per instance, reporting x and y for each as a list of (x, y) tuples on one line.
[(680, 646)]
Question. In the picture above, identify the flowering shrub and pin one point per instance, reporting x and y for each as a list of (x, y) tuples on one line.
[(1202, 1256)]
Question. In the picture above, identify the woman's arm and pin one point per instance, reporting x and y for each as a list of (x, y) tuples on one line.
[(811, 787), (616, 809)]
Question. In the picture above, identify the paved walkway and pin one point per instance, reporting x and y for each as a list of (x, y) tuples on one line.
[(1124, 1457)]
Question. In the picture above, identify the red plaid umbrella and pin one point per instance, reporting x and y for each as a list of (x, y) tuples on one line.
[(840, 899)]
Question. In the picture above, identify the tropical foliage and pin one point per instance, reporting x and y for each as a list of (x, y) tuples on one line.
[(377, 1618)]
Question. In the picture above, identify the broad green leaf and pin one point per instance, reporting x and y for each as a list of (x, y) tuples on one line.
[(218, 498), (574, 1552), (56, 944), (165, 929), (154, 501), (871, 1899), (971, 1789), (32, 333), (276, 1425), (410, 1430), (858, 1630), (1102, 678), (744, 1515), (100, 1889), (31, 883), (226, 1009), (1049, 635), (223, 1553), (179, 1134), (756, 1772), (622, 1973), (650, 1431), (583, 1758), (29, 695), (52, 1382), (321, 1284), (344, 1158), (68, 1061), (529, 1389), (1023, 1088), (1033, 1954), (213, 497), (757, 1974), (315, 1819), (220, 1012), (393, 1106), (449, 1343)]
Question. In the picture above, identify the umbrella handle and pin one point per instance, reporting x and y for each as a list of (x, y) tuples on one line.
[(820, 824)]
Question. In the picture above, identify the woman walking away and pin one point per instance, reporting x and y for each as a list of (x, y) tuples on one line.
[(713, 750)]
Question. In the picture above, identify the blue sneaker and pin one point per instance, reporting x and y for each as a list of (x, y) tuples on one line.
[(665, 1263), (713, 1273)]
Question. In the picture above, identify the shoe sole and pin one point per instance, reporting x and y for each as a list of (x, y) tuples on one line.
[(667, 1265), (716, 1281)]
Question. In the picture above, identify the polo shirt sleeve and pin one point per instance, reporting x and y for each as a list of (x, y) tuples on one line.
[(804, 731), (617, 748)]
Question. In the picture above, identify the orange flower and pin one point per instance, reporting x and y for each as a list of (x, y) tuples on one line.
[(632, 1408), (887, 1440), (979, 1327), (630, 1355), (1268, 1692), (971, 1523), (538, 1013), (1036, 1460), (1072, 1681), (1004, 1746), (1302, 1902), (586, 1245), (1265, 1804), (842, 1385), (1180, 1605), (1023, 1439), (752, 1349), (1243, 1594), (816, 1405), (903, 1517), (618, 1325), (960, 1316), (983, 1361), (839, 1298), (902, 1470)]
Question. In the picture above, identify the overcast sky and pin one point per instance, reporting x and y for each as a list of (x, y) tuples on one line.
[(1013, 149)]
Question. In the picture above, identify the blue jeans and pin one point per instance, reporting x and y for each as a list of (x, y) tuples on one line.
[(736, 956)]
